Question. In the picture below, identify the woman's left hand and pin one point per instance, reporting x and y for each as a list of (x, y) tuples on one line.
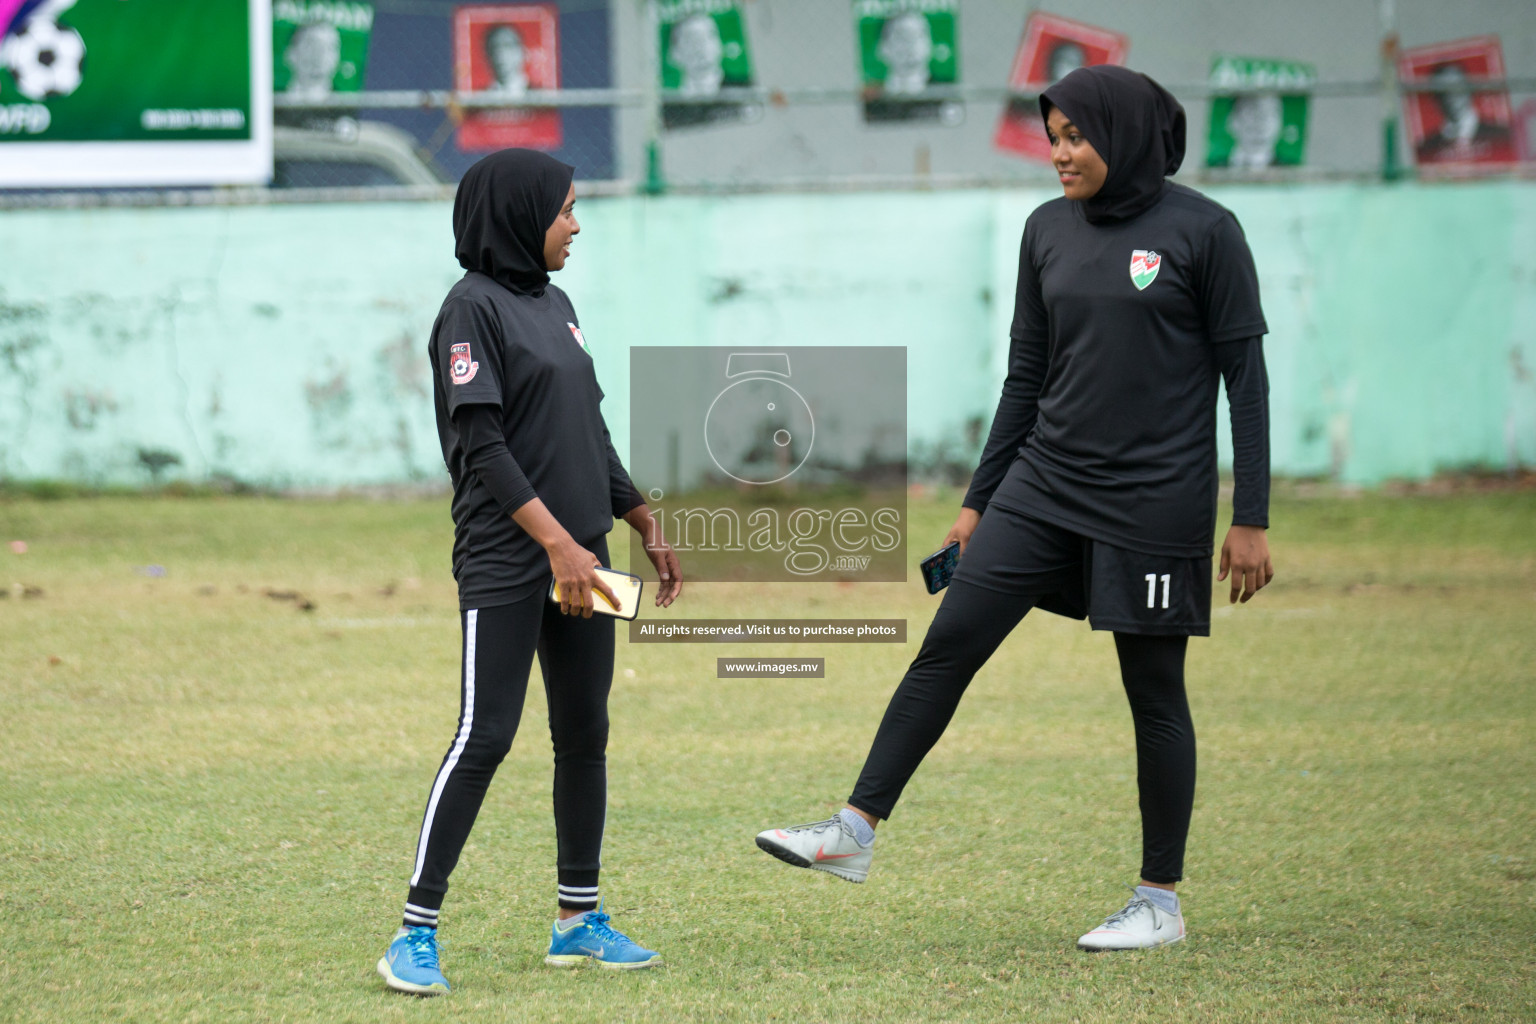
[(665, 560), (1245, 556), (659, 552)]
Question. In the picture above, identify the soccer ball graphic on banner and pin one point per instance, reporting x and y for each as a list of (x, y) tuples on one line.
[(45, 58)]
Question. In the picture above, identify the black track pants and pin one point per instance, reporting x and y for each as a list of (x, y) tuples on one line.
[(576, 657), (1152, 669), (970, 624)]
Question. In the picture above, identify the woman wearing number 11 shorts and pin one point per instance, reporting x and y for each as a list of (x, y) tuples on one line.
[(1096, 492)]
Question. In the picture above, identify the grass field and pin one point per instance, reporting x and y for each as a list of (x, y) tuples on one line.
[(210, 794)]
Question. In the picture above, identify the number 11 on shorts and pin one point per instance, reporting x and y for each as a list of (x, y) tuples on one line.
[(1152, 579)]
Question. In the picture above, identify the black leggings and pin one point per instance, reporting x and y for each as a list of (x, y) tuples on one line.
[(576, 658), (970, 624)]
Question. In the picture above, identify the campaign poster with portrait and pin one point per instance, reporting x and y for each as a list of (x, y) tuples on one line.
[(704, 54), (1453, 126), (135, 93), (1254, 130), (507, 49), (319, 47), (905, 48), (1052, 46)]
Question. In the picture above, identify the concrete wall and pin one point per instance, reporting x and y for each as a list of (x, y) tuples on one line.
[(285, 345)]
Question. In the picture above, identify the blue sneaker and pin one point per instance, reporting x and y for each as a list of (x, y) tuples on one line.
[(410, 965), (592, 940)]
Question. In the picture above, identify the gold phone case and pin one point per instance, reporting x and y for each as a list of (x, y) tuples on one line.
[(626, 588)]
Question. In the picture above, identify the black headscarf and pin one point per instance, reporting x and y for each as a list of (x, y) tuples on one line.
[(505, 204), (1135, 125)]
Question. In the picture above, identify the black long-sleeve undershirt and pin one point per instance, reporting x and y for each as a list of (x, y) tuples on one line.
[(622, 495), (1242, 368), (487, 456), (1017, 411)]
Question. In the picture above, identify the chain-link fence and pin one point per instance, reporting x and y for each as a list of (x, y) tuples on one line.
[(443, 83), (401, 96), (944, 90)]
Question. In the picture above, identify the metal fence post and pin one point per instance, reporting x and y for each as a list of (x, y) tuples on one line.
[(1391, 97), (655, 178)]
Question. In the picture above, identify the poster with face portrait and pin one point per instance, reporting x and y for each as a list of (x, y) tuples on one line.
[(319, 46), (1454, 127), (1052, 46), (1253, 130), (507, 49), (907, 47), (704, 55)]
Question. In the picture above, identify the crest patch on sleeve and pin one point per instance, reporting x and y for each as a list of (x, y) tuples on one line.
[(461, 369)]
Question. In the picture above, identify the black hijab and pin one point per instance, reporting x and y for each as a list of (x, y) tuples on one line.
[(1135, 124), (505, 204)]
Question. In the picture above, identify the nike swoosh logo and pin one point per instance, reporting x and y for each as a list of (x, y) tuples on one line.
[(592, 952), (832, 856)]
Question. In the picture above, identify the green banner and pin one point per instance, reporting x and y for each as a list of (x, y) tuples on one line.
[(703, 46), (1255, 130), (905, 48), (319, 46), (703, 50), (127, 70)]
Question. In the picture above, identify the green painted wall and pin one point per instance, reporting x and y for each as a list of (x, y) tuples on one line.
[(284, 345)]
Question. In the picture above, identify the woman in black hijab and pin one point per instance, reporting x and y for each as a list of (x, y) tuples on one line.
[(536, 488), (1095, 496)]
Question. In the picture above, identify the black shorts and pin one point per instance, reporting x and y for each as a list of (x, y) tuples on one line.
[(1082, 578)]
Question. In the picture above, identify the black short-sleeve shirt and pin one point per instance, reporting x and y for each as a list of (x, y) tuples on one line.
[(1124, 448), (525, 355)]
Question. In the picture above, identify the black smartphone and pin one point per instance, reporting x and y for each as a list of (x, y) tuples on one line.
[(939, 568)]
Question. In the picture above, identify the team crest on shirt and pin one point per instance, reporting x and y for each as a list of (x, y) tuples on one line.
[(1145, 263), (580, 338), (461, 369)]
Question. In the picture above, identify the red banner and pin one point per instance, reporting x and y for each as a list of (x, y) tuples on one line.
[(1052, 46), (1455, 127), (508, 49)]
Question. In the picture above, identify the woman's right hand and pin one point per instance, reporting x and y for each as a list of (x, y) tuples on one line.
[(965, 525), (575, 570)]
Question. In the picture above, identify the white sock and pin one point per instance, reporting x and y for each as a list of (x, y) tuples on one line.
[(1165, 900), (863, 831), (571, 922)]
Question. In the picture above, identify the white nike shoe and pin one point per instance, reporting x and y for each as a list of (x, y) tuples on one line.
[(824, 845), (1137, 925)]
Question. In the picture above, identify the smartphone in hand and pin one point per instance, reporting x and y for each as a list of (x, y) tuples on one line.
[(939, 568), (625, 587)]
